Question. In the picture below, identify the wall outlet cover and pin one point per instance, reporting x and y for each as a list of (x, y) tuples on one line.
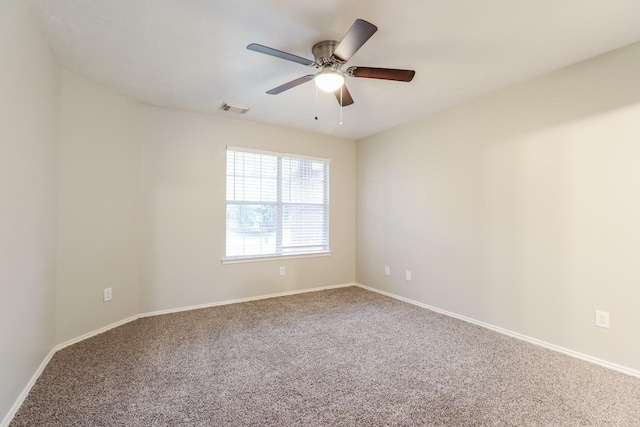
[(602, 319)]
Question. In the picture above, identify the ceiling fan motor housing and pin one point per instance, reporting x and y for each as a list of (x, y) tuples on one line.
[(323, 52)]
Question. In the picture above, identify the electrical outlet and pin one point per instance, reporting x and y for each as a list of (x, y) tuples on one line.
[(387, 271), (602, 319), (283, 271), (408, 275), (106, 294)]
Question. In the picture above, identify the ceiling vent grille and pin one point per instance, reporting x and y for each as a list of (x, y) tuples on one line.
[(234, 108)]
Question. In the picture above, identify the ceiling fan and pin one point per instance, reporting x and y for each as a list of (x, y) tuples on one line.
[(330, 56)]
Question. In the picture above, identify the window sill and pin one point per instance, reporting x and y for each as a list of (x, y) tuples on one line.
[(273, 258)]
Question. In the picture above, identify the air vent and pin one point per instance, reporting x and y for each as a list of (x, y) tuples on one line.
[(234, 108)]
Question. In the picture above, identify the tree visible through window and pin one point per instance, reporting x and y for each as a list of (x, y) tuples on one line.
[(277, 204)]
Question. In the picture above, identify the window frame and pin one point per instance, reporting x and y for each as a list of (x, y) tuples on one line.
[(280, 204)]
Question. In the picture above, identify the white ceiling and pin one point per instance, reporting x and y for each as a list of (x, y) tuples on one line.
[(191, 54)]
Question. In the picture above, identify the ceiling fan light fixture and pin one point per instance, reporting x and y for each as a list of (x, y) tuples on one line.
[(329, 80)]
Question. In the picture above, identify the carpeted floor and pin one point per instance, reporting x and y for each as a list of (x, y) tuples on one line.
[(340, 357)]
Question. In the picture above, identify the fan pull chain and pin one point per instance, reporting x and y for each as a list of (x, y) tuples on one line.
[(341, 104), (316, 102)]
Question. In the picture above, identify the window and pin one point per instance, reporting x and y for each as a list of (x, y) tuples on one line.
[(277, 204)]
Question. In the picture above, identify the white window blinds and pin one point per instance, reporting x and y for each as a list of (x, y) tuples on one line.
[(277, 204)]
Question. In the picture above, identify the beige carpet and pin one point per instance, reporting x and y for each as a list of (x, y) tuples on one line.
[(341, 357)]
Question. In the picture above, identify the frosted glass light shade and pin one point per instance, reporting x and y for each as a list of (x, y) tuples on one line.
[(329, 81)]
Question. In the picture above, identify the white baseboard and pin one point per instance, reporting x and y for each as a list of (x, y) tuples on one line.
[(16, 405), (14, 409), (94, 333), (235, 301), (581, 356)]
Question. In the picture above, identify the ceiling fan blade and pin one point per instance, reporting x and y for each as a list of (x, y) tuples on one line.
[(291, 84), (280, 54), (357, 35), (382, 73), (346, 96)]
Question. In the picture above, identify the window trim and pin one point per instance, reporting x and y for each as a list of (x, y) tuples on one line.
[(276, 153), (259, 258)]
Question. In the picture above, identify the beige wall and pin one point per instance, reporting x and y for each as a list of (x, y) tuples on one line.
[(99, 207), (29, 91), (520, 209), (184, 211)]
